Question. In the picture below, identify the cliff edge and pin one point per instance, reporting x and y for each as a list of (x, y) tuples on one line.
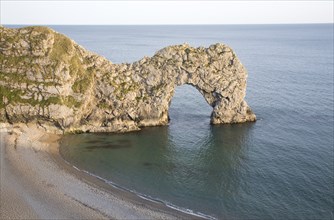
[(47, 78)]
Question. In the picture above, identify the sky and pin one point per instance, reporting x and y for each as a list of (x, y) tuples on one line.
[(41, 12)]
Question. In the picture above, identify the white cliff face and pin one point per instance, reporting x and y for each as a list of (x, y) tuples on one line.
[(46, 77)]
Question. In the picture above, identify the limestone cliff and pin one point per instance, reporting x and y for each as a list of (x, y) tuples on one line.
[(48, 78)]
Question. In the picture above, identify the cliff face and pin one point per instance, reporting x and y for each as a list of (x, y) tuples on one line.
[(48, 78)]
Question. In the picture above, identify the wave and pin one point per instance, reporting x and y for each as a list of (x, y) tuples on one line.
[(143, 196)]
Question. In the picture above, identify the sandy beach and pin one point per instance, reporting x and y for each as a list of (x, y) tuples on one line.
[(36, 183)]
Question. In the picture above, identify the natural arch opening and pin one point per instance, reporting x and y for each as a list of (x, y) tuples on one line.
[(188, 106)]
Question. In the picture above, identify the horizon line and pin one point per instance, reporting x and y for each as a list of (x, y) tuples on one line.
[(306, 23)]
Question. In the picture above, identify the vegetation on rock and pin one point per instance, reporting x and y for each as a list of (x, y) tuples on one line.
[(47, 77)]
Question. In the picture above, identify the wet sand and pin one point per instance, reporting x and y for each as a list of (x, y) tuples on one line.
[(36, 183)]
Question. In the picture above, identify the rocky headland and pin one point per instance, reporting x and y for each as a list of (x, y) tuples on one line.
[(47, 78)]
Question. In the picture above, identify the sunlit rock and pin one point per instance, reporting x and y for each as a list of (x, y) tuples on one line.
[(48, 78)]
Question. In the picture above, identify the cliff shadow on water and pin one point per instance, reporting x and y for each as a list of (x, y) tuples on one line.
[(164, 163)]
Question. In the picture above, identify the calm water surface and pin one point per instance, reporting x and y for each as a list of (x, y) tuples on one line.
[(279, 167)]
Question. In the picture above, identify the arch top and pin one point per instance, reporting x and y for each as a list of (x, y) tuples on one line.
[(215, 72), (77, 90)]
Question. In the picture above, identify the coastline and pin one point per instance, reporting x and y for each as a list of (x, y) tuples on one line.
[(37, 183)]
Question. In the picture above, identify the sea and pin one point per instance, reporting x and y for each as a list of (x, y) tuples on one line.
[(279, 167)]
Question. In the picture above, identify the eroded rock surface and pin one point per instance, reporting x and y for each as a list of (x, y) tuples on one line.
[(48, 78)]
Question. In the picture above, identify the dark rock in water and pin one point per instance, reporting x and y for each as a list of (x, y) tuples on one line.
[(94, 142), (109, 146), (148, 164), (48, 78)]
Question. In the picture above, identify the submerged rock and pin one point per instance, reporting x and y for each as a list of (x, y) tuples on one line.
[(48, 78)]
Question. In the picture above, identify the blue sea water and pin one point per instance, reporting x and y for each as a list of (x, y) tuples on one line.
[(280, 167)]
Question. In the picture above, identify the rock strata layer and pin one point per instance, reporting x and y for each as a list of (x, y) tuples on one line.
[(47, 78)]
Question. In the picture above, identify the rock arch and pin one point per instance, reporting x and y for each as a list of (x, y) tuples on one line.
[(215, 72), (47, 77)]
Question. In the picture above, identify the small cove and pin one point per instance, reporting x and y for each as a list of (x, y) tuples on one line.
[(279, 167)]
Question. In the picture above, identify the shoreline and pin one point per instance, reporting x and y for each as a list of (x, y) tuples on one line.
[(36, 182)]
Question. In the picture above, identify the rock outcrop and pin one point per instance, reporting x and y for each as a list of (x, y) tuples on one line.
[(48, 78)]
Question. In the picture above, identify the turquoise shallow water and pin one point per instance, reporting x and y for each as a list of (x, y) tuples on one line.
[(279, 167)]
